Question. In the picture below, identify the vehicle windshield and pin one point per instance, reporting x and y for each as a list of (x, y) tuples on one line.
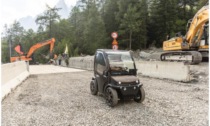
[(121, 63)]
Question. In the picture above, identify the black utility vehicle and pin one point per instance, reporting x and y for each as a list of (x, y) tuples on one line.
[(115, 77)]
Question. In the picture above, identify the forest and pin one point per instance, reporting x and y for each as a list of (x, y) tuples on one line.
[(140, 24)]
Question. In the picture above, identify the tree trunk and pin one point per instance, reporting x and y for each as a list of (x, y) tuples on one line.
[(10, 46), (130, 39)]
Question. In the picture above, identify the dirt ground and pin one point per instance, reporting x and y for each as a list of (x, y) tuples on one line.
[(64, 99)]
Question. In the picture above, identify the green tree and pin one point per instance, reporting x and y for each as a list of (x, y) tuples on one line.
[(49, 17), (88, 26), (109, 11), (139, 23), (132, 17), (28, 40), (13, 36), (5, 58), (77, 22), (130, 22), (163, 16), (201, 3), (94, 32)]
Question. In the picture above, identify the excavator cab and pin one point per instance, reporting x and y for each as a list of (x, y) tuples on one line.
[(205, 36), (204, 43)]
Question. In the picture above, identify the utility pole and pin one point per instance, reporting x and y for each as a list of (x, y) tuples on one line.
[(10, 46), (50, 22)]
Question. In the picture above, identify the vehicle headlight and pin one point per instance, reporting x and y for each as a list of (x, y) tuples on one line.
[(137, 81), (119, 82)]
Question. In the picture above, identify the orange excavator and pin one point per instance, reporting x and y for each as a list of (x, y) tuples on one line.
[(31, 50)]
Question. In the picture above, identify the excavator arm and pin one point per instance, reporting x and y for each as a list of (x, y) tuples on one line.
[(34, 48), (190, 48), (194, 34), (196, 26), (41, 44)]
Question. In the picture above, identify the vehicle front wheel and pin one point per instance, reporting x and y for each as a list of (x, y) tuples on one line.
[(93, 87), (140, 96), (111, 97)]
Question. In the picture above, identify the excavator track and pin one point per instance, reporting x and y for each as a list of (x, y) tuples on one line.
[(188, 57)]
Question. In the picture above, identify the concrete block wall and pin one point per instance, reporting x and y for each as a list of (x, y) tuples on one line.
[(63, 63), (85, 63), (12, 75), (165, 70), (169, 70)]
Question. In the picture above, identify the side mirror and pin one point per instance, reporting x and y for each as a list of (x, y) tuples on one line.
[(105, 73), (133, 71)]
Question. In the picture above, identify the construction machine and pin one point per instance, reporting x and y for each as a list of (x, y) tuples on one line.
[(27, 57), (194, 46)]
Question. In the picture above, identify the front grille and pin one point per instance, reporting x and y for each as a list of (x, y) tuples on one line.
[(128, 83)]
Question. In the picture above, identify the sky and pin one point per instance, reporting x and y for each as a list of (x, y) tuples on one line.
[(12, 10)]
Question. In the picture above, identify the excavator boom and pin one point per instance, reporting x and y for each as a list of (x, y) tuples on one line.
[(197, 25), (34, 48), (41, 44), (189, 49)]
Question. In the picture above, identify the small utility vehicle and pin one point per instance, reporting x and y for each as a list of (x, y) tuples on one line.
[(115, 77)]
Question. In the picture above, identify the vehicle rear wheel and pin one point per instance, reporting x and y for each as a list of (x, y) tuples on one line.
[(140, 96), (93, 87), (111, 97)]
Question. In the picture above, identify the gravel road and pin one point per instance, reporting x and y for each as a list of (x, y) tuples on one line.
[(64, 99)]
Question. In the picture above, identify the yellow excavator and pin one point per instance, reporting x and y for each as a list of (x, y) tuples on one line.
[(194, 46)]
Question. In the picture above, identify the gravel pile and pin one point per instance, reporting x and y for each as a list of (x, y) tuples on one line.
[(65, 100)]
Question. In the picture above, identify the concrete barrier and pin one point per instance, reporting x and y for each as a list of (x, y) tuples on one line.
[(12, 75), (165, 70), (169, 70), (85, 63)]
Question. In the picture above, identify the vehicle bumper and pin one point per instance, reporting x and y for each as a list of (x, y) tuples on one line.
[(128, 90)]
